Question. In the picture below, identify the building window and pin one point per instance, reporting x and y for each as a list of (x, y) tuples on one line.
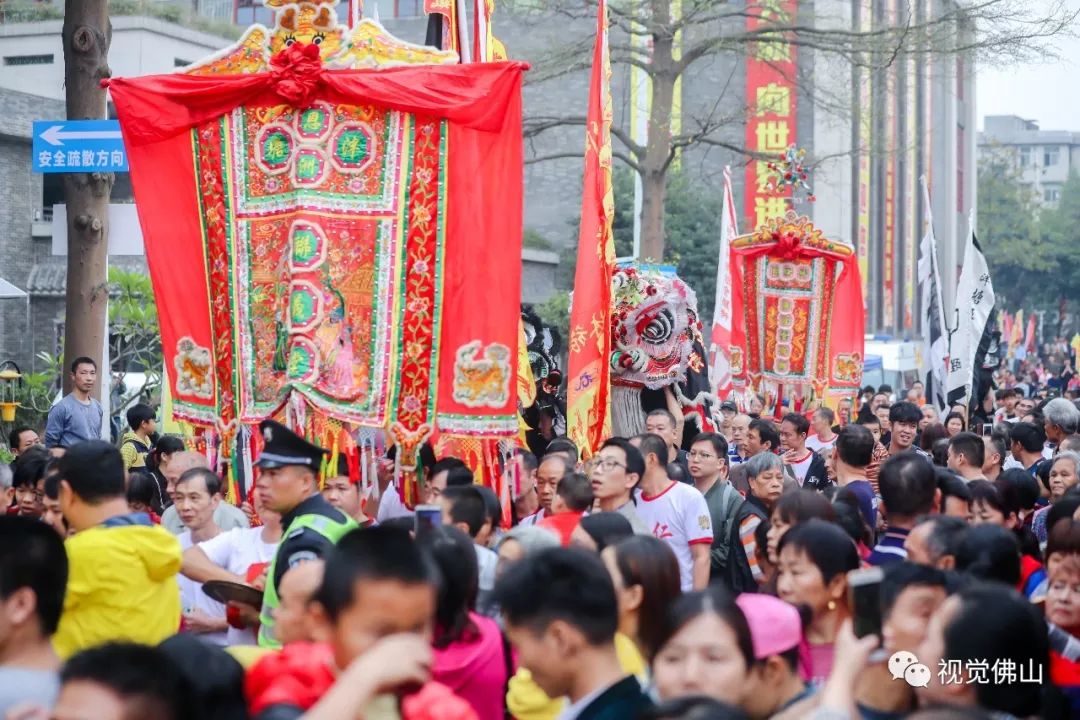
[(1051, 194), (1025, 157), (1051, 155), (28, 60)]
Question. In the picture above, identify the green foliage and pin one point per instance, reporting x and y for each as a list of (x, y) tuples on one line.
[(176, 12), (133, 322), (533, 239), (691, 221), (1030, 251), (555, 312), (38, 390)]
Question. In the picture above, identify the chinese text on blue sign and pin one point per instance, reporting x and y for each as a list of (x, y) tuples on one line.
[(78, 146)]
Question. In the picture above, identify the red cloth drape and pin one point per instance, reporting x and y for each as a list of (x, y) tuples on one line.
[(845, 321), (483, 207)]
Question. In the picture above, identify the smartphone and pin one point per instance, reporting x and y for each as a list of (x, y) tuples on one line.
[(987, 429), (864, 590), (426, 518)]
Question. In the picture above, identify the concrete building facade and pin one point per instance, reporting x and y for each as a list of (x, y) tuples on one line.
[(1044, 158)]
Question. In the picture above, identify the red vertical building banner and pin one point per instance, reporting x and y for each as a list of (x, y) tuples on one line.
[(770, 96)]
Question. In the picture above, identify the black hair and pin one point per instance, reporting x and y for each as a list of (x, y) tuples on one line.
[(466, 506), (1031, 437), (82, 360), (801, 424), (1019, 634), (676, 472), (563, 445), (560, 584), (801, 505), (457, 472), (958, 416), (716, 600), (52, 486), (989, 552), (905, 412), (635, 462), (1063, 537), (855, 446), (650, 444), (141, 488), (492, 506), (405, 523), (900, 576), (375, 553), (849, 516), (453, 555), (931, 434), (576, 491), (215, 679), (139, 413), (646, 561), (939, 452), (147, 679), (32, 556), (884, 389), (13, 436), (971, 446), (29, 467), (1027, 487), (946, 532), (999, 495), (658, 412), (824, 544), (907, 485), (719, 444), (1065, 507), (767, 432), (165, 445), (951, 485), (213, 482), (868, 419), (693, 707), (94, 470), (606, 528), (527, 459)]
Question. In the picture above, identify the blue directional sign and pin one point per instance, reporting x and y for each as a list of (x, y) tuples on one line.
[(66, 146)]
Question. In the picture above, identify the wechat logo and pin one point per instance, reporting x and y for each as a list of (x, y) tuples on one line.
[(904, 665)]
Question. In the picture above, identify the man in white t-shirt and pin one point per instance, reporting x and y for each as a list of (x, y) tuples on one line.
[(676, 512), (390, 503), (235, 555), (197, 495), (822, 425)]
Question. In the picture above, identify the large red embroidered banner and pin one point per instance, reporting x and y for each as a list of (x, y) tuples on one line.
[(344, 242)]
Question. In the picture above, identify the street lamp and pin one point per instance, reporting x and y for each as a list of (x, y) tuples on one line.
[(10, 379)]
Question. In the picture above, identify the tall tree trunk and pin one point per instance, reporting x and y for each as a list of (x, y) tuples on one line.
[(86, 36), (657, 158)]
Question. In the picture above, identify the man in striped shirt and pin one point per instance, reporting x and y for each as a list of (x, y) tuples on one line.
[(908, 490)]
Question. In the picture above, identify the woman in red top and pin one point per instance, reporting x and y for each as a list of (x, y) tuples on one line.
[(1063, 609), (997, 503)]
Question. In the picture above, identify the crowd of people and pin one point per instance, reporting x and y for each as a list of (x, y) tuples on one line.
[(884, 560)]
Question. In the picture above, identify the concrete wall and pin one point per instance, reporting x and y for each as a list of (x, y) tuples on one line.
[(140, 46)]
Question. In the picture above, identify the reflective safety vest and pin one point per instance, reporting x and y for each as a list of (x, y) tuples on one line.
[(330, 529)]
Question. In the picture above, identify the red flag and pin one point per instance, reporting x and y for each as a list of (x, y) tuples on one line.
[(588, 391)]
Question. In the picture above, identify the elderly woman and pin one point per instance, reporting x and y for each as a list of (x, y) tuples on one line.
[(1064, 473), (765, 476), (929, 416)]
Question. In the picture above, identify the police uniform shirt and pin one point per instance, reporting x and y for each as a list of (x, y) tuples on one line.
[(303, 544)]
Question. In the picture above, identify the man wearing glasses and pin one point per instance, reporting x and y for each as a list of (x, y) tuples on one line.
[(615, 472), (709, 471)]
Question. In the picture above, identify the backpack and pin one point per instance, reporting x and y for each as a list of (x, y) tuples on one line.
[(728, 505)]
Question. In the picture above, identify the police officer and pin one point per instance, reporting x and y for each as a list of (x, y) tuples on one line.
[(310, 526)]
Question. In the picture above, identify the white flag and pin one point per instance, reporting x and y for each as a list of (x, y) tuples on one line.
[(975, 305), (936, 341), (720, 336)]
